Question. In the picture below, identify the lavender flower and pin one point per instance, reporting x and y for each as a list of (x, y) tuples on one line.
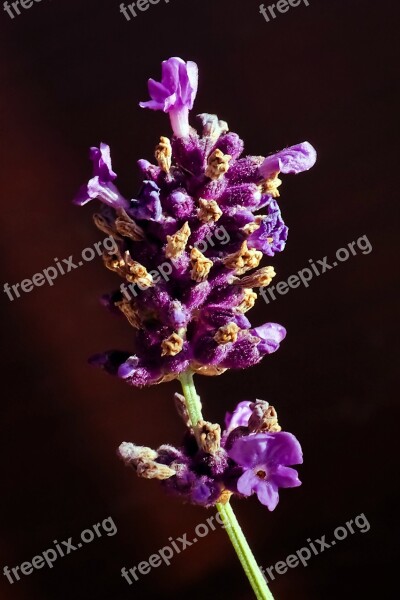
[(189, 248), (265, 458), (175, 93), (100, 186), (251, 456), (195, 221)]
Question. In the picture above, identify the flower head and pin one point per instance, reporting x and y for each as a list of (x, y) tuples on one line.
[(265, 459), (189, 245)]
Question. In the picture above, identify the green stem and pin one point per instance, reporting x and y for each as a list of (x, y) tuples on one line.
[(232, 526)]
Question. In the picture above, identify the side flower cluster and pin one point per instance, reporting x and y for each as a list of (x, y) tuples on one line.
[(194, 319), (251, 456)]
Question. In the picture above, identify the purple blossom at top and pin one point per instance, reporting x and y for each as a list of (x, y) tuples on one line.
[(265, 458), (175, 93), (100, 186)]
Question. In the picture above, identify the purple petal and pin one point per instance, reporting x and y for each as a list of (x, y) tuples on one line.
[(128, 368), (267, 493), (250, 451), (295, 159), (281, 448), (248, 483), (271, 335), (239, 417), (102, 166), (178, 86), (285, 477)]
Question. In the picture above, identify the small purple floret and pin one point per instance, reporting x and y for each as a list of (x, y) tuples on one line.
[(175, 93), (265, 458), (100, 186)]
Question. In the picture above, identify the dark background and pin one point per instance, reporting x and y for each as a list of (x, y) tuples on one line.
[(72, 74)]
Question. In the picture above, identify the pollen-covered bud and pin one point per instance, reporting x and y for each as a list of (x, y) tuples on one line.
[(243, 260), (260, 278), (127, 227), (264, 418), (201, 265), (208, 436), (137, 273), (227, 333), (172, 345), (217, 164), (154, 470), (132, 454), (163, 154), (248, 301), (270, 185), (209, 211), (143, 461), (176, 243)]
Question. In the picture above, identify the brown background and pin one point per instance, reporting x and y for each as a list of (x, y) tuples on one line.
[(72, 74)]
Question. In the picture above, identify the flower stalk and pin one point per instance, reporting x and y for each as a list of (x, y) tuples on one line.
[(234, 531)]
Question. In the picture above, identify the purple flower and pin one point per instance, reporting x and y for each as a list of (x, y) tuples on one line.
[(295, 159), (175, 93), (265, 458), (189, 245), (100, 186)]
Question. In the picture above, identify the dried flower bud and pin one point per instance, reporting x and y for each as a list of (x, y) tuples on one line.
[(132, 454), (172, 345), (243, 260), (137, 273), (208, 436), (270, 185), (264, 418), (209, 211), (218, 164), (248, 301), (260, 278), (127, 227), (201, 265), (227, 333), (163, 154), (154, 470), (176, 243), (105, 226)]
